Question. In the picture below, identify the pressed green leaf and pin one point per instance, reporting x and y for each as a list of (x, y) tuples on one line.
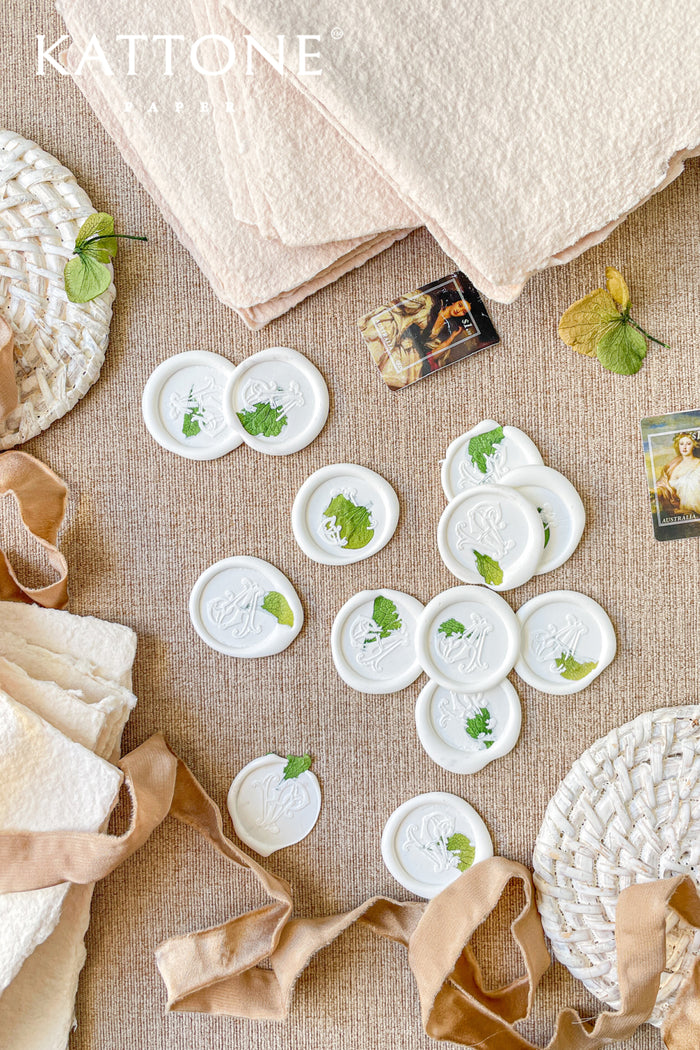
[(489, 569), (85, 279), (571, 669), (354, 521), (263, 419), (462, 846), (545, 525), (479, 724), (190, 424), (587, 320), (101, 225), (450, 627), (617, 286), (622, 349), (296, 765), (385, 615), (483, 445), (278, 606)]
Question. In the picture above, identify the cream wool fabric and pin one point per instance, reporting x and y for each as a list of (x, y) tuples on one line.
[(48, 782), (176, 157), (520, 133)]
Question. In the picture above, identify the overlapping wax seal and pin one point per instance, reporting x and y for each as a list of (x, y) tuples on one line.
[(483, 455)]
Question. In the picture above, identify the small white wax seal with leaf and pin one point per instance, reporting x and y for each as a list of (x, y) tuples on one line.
[(463, 732), (183, 405), (274, 802), (567, 640), (430, 840), (277, 401), (558, 505), (492, 535), (467, 639), (482, 456), (373, 641), (245, 607), (344, 513)]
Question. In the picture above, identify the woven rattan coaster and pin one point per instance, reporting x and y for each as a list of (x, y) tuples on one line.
[(627, 811), (59, 345)]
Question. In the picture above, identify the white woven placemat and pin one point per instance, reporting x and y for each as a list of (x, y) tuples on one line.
[(627, 811), (59, 345)]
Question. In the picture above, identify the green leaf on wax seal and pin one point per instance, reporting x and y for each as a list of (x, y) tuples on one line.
[(483, 445), (478, 726), (599, 325), (277, 605), (451, 627), (462, 847), (263, 419), (571, 669), (296, 765), (489, 569), (545, 525), (352, 520), (386, 617), (87, 275)]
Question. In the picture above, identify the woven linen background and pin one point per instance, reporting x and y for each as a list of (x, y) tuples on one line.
[(143, 524)]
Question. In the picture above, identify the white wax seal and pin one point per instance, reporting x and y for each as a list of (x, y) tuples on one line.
[(245, 607), (467, 639), (491, 535), (567, 640), (344, 513), (271, 810), (277, 402), (559, 506), (430, 840), (483, 455), (373, 641), (183, 405), (463, 732)]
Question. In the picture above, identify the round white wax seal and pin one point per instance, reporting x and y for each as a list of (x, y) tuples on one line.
[(373, 641), (491, 535), (245, 607), (467, 639), (277, 402), (483, 455), (183, 405), (463, 732), (270, 810), (559, 506), (430, 840), (567, 639), (344, 513)]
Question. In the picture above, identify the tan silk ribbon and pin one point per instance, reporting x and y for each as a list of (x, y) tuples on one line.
[(41, 496), (218, 970), (9, 395)]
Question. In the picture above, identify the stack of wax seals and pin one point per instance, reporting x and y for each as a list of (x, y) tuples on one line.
[(201, 406), (508, 517)]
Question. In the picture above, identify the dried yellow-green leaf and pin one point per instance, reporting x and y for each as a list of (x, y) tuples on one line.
[(622, 349), (587, 320), (617, 286)]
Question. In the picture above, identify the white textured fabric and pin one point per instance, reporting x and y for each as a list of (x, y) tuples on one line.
[(48, 783)]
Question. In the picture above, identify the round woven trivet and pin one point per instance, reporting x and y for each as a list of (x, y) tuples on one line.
[(59, 345), (627, 811)]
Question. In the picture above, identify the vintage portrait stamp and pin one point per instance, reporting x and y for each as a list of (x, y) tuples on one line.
[(672, 454)]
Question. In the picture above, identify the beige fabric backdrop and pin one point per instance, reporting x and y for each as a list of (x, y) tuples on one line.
[(145, 523)]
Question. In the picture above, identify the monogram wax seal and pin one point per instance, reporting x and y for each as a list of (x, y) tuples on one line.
[(567, 641), (558, 505), (183, 405), (463, 732), (245, 607), (467, 639), (273, 804), (373, 641), (492, 535), (483, 455), (431, 839), (277, 401)]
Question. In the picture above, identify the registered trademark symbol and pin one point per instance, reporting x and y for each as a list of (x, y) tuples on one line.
[(336, 33)]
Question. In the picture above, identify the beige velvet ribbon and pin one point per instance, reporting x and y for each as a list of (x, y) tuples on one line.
[(219, 970), (9, 395), (41, 496)]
